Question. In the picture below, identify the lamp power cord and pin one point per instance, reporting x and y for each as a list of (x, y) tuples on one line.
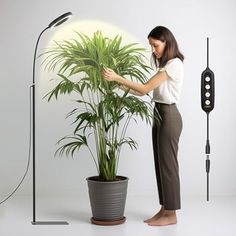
[(29, 154)]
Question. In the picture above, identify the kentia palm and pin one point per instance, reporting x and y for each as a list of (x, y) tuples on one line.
[(103, 111)]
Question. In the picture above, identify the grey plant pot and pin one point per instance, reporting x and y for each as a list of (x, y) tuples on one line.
[(107, 198)]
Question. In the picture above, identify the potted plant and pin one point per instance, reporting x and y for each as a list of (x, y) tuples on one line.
[(102, 113)]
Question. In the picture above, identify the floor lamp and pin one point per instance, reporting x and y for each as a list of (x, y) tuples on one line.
[(58, 21)]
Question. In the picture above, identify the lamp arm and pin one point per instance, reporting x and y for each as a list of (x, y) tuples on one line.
[(35, 52)]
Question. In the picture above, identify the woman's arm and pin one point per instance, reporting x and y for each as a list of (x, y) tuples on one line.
[(142, 89), (124, 88)]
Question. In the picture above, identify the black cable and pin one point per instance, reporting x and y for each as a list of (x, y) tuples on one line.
[(208, 186), (207, 155), (28, 162)]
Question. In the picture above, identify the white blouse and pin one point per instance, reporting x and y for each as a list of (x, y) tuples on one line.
[(169, 91)]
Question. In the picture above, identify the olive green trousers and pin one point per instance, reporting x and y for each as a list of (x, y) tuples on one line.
[(165, 135)]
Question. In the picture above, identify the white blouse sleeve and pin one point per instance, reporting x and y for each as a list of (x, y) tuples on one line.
[(174, 69)]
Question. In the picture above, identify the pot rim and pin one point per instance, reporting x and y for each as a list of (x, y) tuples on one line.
[(123, 179)]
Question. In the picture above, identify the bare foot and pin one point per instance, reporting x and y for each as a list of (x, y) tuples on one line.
[(157, 216), (168, 218)]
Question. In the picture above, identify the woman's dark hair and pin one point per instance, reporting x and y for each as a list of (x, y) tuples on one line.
[(171, 49)]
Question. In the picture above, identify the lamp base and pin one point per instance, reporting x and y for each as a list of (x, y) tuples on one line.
[(49, 223)]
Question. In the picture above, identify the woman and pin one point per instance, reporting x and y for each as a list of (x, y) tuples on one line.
[(166, 85)]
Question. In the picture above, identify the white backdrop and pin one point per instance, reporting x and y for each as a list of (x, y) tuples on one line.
[(191, 21)]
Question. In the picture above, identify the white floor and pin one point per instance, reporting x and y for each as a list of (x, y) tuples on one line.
[(196, 218)]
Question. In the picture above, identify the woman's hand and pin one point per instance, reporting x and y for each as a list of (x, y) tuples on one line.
[(109, 74)]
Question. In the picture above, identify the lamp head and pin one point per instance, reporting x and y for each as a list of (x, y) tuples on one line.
[(60, 20)]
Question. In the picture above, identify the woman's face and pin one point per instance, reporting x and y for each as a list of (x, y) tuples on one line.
[(157, 46)]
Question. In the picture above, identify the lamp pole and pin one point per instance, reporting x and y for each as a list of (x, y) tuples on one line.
[(58, 21)]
